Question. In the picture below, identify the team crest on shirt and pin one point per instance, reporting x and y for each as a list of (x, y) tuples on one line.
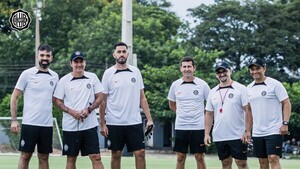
[(51, 83), (133, 80), (66, 147), (230, 95), (263, 93), (196, 92), (88, 86)]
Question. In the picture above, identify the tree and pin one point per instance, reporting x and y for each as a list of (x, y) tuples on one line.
[(6, 8), (294, 92), (153, 27), (17, 49), (93, 26), (158, 80), (252, 29)]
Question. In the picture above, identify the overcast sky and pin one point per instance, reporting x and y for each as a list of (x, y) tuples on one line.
[(180, 6)]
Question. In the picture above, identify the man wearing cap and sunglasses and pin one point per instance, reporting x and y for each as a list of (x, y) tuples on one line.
[(271, 111), (77, 94), (227, 106)]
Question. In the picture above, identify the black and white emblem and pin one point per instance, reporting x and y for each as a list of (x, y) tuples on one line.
[(19, 20)]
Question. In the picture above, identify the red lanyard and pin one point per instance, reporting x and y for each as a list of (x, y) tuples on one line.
[(223, 98)]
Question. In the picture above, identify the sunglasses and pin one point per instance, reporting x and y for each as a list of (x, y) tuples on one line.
[(220, 72)]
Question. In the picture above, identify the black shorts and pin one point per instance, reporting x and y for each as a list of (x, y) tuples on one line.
[(189, 141), (36, 135), (267, 145), (132, 136), (87, 141), (234, 148)]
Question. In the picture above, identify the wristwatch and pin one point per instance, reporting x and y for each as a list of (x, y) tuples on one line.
[(285, 123)]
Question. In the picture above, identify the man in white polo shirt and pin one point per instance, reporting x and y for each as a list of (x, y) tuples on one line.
[(228, 110), (120, 115), (37, 84), (186, 98), (77, 94), (271, 110)]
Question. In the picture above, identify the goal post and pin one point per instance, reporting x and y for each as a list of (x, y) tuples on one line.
[(9, 142)]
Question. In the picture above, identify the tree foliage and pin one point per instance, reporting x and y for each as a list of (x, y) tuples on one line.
[(92, 26), (158, 80), (6, 8), (294, 93), (234, 31), (248, 29)]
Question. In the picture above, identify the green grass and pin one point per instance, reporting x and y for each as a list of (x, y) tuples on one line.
[(153, 161)]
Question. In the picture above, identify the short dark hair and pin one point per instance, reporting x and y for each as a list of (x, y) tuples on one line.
[(187, 59), (121, 44), (46, 47)]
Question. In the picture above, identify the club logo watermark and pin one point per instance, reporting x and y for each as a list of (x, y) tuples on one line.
[(19, 20)]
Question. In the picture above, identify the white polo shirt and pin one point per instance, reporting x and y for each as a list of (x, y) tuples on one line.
[(230, 123), (37, 88), (78, 94), (189, 98), (123, 95), (265, 101)]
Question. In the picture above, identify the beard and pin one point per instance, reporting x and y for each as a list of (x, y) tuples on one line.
[(121, 60), (223, 79), (44, 65)]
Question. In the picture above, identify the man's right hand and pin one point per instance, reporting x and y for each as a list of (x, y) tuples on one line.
[(76, 114), (14, 127), (207, 140), (104, 130)]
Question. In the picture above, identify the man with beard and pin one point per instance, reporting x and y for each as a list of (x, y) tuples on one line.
[(227, 106), (186, 98), (37, 84), (271, 109), (78, 94), (120, 115)]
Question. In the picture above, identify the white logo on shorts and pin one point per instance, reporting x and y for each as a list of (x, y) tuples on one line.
[(66, 147), (108, 143), (22, 143)]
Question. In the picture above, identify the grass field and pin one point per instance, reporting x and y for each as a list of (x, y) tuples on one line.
[(154, 161)]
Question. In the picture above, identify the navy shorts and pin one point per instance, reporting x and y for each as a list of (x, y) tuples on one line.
[(36, 135), (85, 141), (234, 148), (189, 141), (132, 136), (267, 145)]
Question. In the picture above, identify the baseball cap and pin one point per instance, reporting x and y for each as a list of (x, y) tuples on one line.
[(223, 65), (257, 62), (78, 54)]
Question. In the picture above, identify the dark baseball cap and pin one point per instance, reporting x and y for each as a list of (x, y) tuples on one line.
[(78, 54), (257, 62), (222, 65)]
